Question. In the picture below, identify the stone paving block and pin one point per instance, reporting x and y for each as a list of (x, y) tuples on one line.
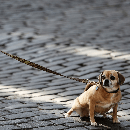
[(4, 36), (8, 89), (58, 87), (127, 80), (49, 117), (9, 127), (125, 100), (124, 87), (125, 106), (52, 92), (40, 75), (124, 112), (89, 76), (87, 67), (42, 79), (125, 124), (87, 71), (127, 96), (124, 118), (113, 68), (26, 92), (68, 68), (55, 67), (12, 67), (74, 124), (58, 58), (74, 57), (54, 63), (61, 82), (93, 128), (21, 106), (33, 86), (41, 58), (57, 106), (26, 126), (2, 119), (58, 112), (10, 71), (113, 62), (62, 121), (23, 72), (64, 99), (71, 63), (21, 110), (78, 128), (6, 94), (73, 92), (19, 115), (44, 123), (76, 87), (40, 99), (123, 57), (59, 127), (17, 121), (128, 90), (70, 73), (33, 125), (42, 117)]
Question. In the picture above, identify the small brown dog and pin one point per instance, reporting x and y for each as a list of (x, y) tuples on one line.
[(99, 97)]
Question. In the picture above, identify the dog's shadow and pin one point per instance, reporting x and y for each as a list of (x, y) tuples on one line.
[(104, 123)]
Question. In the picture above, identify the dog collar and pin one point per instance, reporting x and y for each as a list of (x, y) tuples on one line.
[(115, 91)]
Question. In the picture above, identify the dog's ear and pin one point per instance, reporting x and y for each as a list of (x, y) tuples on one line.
[(121, 78), (100, 78)]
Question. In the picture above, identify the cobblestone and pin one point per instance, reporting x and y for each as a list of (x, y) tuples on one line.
[(77, 38)]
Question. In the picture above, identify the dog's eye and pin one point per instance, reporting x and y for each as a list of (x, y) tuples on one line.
[(112, 78), (103, 76)]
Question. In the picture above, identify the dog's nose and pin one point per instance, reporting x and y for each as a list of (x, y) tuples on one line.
[(106, 82)]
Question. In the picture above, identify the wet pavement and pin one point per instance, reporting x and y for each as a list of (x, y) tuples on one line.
[(78, 38)]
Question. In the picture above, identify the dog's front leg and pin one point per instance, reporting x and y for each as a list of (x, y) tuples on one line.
[(115, 120), (91, 112)]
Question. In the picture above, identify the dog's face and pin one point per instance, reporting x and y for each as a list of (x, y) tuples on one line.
[(110, 79)]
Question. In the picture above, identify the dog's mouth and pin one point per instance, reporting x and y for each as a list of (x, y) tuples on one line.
[(106, 86)]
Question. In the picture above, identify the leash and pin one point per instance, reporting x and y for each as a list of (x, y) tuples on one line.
[(43, 68)]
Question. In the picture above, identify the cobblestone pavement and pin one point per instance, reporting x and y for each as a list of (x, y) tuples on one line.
[(78, 38)]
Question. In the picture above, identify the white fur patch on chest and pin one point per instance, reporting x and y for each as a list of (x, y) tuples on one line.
[(107, 105)]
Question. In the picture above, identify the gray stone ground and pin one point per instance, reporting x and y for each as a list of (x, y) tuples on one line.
[(78, 38)]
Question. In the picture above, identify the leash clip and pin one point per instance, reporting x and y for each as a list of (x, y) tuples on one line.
[(96, 88)]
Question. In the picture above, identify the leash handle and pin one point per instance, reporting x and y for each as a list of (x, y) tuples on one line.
[(42, 68)]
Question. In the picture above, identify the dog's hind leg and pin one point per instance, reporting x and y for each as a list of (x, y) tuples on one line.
[(85, 112), (75, 107), (69, 112)]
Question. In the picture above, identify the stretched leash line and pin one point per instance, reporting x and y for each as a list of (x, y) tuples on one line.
[(43, 68)]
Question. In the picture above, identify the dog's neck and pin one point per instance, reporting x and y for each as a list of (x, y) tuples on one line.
[(114, 91)]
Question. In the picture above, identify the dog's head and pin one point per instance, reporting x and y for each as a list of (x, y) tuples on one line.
[(111, 79)]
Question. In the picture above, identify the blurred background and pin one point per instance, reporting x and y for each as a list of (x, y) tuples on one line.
[(94, 22)]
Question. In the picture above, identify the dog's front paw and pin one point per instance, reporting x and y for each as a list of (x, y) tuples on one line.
[(116, 121), (93, 123)]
